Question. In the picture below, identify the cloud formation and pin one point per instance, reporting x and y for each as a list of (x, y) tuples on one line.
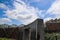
[(55, 9), (4, 20), (26, 13), (22, 12), (3, 6)]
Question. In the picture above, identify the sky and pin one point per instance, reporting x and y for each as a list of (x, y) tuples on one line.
[(26, 11)]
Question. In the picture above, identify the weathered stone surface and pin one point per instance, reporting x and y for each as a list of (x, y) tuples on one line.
[(37, 28), (33, 31)]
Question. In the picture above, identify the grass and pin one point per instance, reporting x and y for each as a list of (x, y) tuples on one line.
[(6, 39)]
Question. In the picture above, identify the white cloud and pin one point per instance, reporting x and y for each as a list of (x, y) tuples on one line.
[(22, 12), (5, 20), (27, 14), (55, 9), (3, 6)]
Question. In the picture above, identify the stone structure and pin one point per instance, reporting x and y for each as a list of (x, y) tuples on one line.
[(34, 31)]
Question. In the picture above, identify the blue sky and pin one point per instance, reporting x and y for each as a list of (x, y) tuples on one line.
[(26, 11)]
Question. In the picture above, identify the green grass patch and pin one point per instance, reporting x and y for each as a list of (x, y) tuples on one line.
[(6, 39)]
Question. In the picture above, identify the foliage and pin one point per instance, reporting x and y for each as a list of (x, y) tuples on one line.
[(53, 20), (52, 36)]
